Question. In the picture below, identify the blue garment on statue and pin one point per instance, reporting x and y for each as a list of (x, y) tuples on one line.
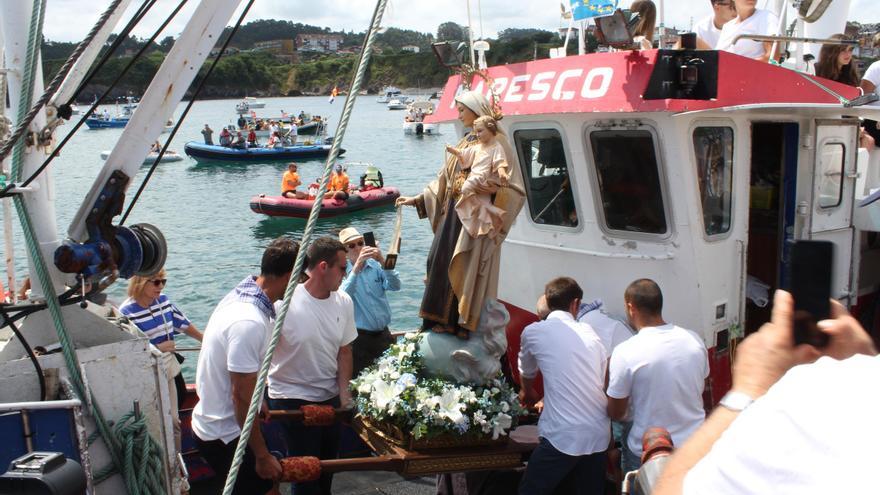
[(367, 290)]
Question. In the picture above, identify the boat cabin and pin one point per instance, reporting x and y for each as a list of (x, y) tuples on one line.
[(697, 169)]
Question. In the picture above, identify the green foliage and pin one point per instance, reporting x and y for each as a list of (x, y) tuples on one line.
[(450, 31), (267, 30)]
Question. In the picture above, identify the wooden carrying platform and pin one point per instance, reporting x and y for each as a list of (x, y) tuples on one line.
[(421, 461)]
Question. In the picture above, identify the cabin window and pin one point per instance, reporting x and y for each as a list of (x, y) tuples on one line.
[(545, 169), (629, 180), (713, 149), (832, 161)]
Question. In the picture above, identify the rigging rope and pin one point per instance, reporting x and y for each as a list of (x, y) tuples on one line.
[(25, 122), (91, 109), (114, 445), (183, 114), (257, 397)]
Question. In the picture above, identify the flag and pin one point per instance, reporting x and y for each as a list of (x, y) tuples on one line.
[(586, 9), (333, 94)]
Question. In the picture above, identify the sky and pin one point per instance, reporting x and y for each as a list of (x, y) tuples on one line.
[(70, 20)]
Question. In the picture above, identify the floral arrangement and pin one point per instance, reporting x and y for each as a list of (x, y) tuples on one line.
[(396, 390)]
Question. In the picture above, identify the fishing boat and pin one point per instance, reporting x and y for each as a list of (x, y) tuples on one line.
[(120, 120), (388, 93), (696, 169), (167, 157), (360, 200), (107, 122), (414, 120), (213, 153), (312, 125)]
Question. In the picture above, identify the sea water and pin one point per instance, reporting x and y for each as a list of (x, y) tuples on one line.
[(214, 239)]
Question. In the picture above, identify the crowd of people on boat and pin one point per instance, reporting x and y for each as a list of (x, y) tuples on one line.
[(281, 133)]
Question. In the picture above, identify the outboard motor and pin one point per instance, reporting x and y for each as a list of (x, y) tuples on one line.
[(420, 129), (656, 448)]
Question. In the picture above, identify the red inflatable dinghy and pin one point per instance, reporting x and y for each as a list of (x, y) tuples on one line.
[(279, 206)]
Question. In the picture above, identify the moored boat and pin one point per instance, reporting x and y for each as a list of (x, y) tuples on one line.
[(169, 156), (108, 123), (414, 121), (388, 93), (279, 206), (208, 152)]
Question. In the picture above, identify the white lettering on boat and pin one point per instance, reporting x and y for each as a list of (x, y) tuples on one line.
[(542, 88), (595, 84), (606, 73), (513, 91), (558, 93)]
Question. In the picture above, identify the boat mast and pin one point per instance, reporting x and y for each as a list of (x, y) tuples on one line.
[(39, 198)]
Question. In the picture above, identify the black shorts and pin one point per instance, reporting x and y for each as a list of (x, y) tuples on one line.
[(219, 456)]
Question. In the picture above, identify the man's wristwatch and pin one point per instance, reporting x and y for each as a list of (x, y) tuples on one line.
[(735, 401)]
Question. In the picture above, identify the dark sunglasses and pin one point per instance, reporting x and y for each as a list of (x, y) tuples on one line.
[(159, 281), (353, 245)]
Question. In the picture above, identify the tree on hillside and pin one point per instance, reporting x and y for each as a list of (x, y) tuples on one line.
[(538, 35), (450, 31), (397, 38), (166, 44)]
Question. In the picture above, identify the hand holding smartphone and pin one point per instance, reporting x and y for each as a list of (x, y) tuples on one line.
[(811, 276), (369, 239)]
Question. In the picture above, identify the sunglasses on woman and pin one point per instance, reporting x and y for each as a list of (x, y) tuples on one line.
[(353, 245), (159, 281)]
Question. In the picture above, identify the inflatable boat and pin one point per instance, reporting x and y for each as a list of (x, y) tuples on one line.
[(208, 152), (169, 156), (279, 206)]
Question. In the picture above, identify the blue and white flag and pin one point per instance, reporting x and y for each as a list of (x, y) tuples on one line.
[(586, 9)]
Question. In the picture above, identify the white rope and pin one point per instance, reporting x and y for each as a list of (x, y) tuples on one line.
[(257, 397)]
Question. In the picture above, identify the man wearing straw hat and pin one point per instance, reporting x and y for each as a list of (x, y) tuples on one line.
[(367, 282)]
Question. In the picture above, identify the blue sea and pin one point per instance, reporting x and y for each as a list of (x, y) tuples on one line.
[(215, 240)]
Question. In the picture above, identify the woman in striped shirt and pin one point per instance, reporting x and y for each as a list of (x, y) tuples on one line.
[(159, 319)]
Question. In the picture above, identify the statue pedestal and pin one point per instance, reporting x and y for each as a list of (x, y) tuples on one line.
[(421, 458)]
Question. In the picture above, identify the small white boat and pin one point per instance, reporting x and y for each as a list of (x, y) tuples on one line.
[(414, 121), (252, 102), (169, 156), (389, 93), (397, 104), (247, 104)]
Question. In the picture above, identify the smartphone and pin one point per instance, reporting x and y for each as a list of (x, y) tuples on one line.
[(369, 239), (811, 275)]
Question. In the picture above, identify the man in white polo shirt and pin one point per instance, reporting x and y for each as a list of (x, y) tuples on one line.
[(574, 429), (233, 346), (660, 373), (313, 363)]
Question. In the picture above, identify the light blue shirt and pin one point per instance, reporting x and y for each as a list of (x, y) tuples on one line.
[(367, 290)]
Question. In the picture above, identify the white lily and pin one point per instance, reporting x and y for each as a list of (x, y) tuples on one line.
[(500, 425), (383, 393), (450, 405)]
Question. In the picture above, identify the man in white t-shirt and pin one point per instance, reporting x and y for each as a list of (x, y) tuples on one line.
[(233, 346), (709, 28), (313, 362), (660, 373), (785, 428), (749, 20), (574, 429)]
